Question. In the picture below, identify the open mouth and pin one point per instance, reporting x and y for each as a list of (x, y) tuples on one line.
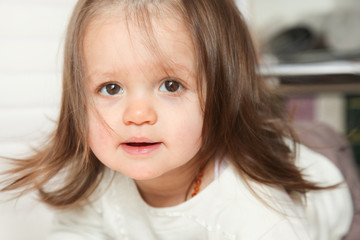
[(141, 144), (140, 148)]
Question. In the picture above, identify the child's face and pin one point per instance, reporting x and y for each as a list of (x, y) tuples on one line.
[(147, 119)]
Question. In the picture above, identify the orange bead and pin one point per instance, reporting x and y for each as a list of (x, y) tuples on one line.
[(197, 184)]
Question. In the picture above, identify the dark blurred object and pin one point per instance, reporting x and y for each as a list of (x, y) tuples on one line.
[(294, 40), (338, 38)]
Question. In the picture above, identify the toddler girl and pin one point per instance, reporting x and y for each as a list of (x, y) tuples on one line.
[(167, 132)]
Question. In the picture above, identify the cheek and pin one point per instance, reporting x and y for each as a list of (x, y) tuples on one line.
[(99, 135), (188, 130)]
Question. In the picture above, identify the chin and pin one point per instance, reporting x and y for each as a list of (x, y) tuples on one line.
[(141, 174)]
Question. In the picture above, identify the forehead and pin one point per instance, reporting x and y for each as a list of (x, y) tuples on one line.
[(117, 43)]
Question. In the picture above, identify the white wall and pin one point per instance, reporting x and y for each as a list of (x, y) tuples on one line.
[(243, 5), (31, 34)]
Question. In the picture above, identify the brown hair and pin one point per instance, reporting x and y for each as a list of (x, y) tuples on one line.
[(242, 119)]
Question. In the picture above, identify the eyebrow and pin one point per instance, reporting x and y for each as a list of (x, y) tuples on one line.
[(179, 67), (169, 69), (95, 74)]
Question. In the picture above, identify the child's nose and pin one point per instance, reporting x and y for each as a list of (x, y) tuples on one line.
[(140, 112)]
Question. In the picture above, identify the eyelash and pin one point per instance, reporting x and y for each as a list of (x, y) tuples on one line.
[(102, 89), (108, 86), (177, 84)]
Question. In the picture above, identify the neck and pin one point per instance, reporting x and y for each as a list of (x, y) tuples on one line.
[(172, 188)]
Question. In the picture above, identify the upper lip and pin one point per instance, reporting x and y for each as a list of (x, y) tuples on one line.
[(139, 140)]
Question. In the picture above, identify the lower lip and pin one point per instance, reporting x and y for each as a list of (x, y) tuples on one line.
[(140, 150)]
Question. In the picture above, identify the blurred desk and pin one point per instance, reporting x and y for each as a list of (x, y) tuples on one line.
[(306, 78), (292, 89)]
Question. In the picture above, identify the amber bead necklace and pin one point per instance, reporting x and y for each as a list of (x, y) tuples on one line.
[(197, 183)]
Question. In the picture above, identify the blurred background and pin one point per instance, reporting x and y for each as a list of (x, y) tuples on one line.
[(310, 50), (31, 39), (310, 53)]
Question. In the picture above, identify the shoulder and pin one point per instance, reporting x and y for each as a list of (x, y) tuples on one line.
[(316, 167), (90, 220), (253, 210), (329, 209), (83, 222), (248, 210)]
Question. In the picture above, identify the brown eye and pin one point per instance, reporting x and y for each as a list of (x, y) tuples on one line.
[(171, 86), (111, 89)]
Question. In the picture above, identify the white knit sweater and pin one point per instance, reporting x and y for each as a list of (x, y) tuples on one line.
[(225, 209)]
